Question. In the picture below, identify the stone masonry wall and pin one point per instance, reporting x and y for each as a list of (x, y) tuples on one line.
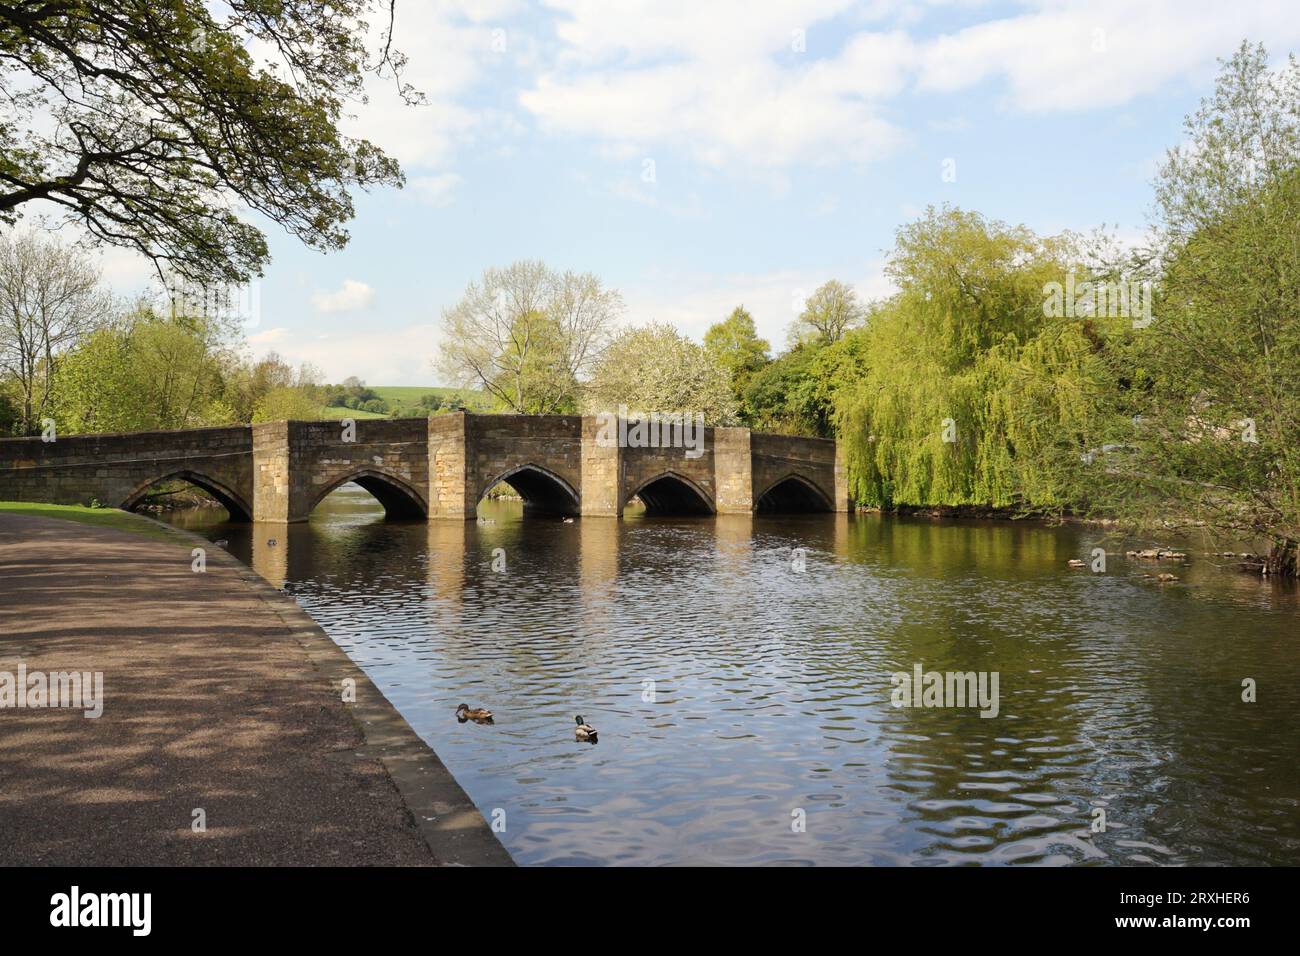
[(777, 457), (436, 467), (644, 465), (733, 466), (115, 469)]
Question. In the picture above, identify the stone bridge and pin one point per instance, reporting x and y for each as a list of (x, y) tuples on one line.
[(438, 467)]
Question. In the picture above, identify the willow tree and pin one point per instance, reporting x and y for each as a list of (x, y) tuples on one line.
[(957, 363), (1206, 399)]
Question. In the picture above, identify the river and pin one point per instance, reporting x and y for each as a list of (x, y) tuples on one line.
[(738, 671)]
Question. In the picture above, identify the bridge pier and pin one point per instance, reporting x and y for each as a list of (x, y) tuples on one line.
[(733, 468), (602, 473), (274, 496), (449, 494)]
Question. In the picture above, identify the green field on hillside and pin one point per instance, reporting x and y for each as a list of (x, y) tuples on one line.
[(405, 399), (338, 411)]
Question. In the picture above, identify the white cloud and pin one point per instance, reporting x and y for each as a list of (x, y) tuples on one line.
[(400, 356), (351, 297), (449, 49), (1074, 55), (268, 336), (720, 81), (437, 190), (126, 271), (774, 299), (443, 62)]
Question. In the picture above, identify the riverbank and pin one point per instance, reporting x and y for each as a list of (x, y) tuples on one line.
[(222, 705)]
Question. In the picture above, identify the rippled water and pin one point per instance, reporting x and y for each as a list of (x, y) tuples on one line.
[(771, 687)]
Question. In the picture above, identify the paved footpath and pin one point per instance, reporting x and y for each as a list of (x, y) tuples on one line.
[(220, 695)]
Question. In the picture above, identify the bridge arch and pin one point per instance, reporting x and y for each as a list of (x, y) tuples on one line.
[(544, 492), (793, 494), (400, 500), (672, 493), (231, 500)]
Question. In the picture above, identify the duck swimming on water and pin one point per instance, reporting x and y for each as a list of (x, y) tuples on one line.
[(584, 730), (479, 715)]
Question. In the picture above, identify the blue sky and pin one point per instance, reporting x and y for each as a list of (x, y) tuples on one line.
[(788, 142)]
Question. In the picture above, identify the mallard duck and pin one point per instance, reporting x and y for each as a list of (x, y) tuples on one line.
[(477, 714), (584, 731)]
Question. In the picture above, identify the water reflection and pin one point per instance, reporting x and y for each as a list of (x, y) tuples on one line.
[(732, 691)]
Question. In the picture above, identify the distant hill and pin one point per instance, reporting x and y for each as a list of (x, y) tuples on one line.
[(403, 401), (337, 411)]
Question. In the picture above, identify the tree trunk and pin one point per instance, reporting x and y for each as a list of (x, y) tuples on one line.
[(1281, 560)]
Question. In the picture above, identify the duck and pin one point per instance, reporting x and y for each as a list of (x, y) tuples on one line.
[(1166, 577), (568, 521), (584, 730), (479, 715)]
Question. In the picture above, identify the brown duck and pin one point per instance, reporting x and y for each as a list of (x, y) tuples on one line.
[(477, 714)]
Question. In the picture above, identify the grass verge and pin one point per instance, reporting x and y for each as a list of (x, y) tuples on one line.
[(100, 517)]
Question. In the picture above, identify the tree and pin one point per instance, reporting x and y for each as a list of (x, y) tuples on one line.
[(527, 335), (966, 384), (8, 409), (50, 298), (300, 400), (771, 402), (150, 122), (827, 314), (1203, 428), (734, 344), (143, 373), (832, 370), (245, 384), (654, 368), (434, 403)]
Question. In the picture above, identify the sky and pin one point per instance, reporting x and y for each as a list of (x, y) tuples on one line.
[(702, 154)]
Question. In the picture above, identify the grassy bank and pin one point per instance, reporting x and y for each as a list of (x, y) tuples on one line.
[(100, 517)]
